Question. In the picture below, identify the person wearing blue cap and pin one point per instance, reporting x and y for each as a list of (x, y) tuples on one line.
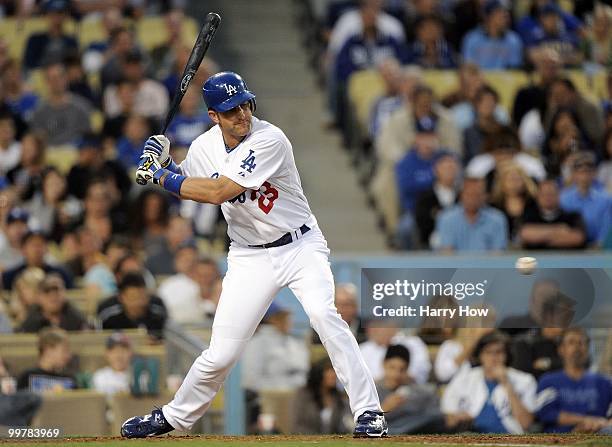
[(551, 32), (52, 45), (493, 45), (414, 174)]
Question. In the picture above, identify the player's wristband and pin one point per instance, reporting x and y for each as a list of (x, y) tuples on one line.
[(172, 166), (171, 182)]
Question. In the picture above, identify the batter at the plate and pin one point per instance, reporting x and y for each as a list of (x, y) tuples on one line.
[(246, 165)]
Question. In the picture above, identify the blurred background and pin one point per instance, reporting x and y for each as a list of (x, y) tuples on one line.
[(428, 133)]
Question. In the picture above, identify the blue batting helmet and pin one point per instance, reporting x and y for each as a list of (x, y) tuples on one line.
[(226, 90)]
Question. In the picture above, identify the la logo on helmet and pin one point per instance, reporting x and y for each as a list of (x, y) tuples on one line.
[(230, 89)]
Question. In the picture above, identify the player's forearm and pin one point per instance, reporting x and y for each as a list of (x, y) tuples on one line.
[(203, 190)]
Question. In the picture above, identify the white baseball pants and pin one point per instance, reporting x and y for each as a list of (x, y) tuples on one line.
[(254, 277)]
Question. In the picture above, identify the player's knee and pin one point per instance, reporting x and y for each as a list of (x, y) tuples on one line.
[(319, 315), (220, 359)]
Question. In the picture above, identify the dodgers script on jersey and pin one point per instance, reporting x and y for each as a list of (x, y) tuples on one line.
[(263, 162)]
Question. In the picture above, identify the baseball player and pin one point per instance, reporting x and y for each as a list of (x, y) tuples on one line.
[(246, 165)]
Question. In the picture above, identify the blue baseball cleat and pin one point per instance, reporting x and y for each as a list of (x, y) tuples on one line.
[(371, 424), (153, 424)]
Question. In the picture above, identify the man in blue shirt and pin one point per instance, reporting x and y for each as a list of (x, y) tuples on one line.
[(472, 225), (551, 32), (573, 398), (494, 46), (594, 204), (415, 174)]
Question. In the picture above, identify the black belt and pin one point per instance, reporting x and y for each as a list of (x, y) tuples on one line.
[(285, 239)]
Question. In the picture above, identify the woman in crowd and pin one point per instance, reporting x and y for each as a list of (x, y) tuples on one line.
[(490, 397), (320, 406), (513, 191)]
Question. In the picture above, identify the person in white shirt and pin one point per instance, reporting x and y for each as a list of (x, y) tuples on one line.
[(273, 359), (383, 335), (115, 378), (490, 397), (10, 150)]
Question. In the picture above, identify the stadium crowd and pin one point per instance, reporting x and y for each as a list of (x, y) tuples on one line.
[(450, 174), (542, 156)]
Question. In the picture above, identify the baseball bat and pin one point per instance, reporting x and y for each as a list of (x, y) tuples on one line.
[(200, 47)]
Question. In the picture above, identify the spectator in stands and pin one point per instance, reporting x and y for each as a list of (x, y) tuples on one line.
[(499, 148), (89, 252), (346, 303), (536, 351), (320, 407), (10, 148), (273, 359), (17, 96), (543, 292), (455, 354), (359, 40), (596, 44), (34, 249), (442, 194), (547, 226), (121, 43), (471, 225), (397, 137), (26, 177), (52, 210), (529, 24), (392, 76), (547, 64), (585, 197), (126, 98), (77, 79), (52, 45), (415, 174), (551, 32), (574, 399), (493, 46), (63, 116), (160, 253), (151, 99), (10, 238), (485, 123), (25, 294), (381, 335), (563, 139), (491, 397), (513, 192), (99, 280), (97, 52), (430, 49), (53, 358), (53, 309), (17, 408), (563, 93), (190, 122), (151, 216), (131, 263), (462, 101), (115, 378), (129, 147), (163, 56), (102, 209), (409, 407), (181, 292), (604, 173), (92, 164), (133, 308)]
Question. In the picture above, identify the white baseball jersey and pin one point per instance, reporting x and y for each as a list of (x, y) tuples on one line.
[(263, 162)]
